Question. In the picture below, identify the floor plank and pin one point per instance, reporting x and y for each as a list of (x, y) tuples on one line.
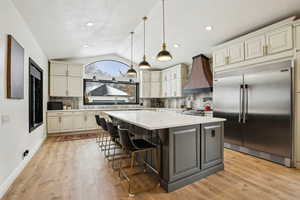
[(76, 170)]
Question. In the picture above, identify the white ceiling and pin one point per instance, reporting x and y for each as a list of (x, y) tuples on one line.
[(59, 25)]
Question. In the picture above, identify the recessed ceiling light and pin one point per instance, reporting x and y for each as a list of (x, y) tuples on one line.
[(89, 24), (176, 45), (208, 28), (85, 46)]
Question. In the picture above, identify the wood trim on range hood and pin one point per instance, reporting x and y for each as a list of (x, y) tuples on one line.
[(201, 79)]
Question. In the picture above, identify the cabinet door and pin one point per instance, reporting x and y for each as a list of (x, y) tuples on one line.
[(155, 76), (297, 128), (58, 69), (164, 75), (219, 57), (298, 37), (145, 90), (53, 124), (164, 89), (169, 88), (178, 87), (236, 53), (174, 88), (212, 138), (79, 121), (75, 88), (145, 76), (297, 73), (155, 89), (90, 121), (75, 70), (58, 86), (254, 47), (67, 123), (279, 40)]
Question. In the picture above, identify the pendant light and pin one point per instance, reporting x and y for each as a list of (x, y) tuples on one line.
[(144, 64), (164, 55), (131, 71)]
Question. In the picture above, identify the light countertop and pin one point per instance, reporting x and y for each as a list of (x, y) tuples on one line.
[(160, 120)]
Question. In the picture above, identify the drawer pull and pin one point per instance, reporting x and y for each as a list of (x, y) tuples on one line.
[(212, 127)]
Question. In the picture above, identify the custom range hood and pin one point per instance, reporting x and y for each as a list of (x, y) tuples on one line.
[(200, 79)]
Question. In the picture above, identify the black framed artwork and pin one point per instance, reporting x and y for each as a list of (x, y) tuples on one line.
[(15, 69)]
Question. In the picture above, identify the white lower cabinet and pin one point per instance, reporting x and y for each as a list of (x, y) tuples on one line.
[(53, 124), (79, 121), (90, 121), (66, 123), (60, 122)]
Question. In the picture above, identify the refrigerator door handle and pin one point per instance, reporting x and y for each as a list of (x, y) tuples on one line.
[(245, 109), (241, 102)]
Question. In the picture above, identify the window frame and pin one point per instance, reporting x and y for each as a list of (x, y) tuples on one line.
[(38, 68), (111, 81)]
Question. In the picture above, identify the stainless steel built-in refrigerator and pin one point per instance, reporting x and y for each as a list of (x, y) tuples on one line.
[(257, 103)]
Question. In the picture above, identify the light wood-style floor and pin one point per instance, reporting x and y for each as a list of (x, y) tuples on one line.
[(76, 170)]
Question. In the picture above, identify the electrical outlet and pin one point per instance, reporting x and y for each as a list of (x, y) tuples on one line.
[(26, 152)]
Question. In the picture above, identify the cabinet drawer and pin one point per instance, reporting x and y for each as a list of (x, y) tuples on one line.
[(212, 141)]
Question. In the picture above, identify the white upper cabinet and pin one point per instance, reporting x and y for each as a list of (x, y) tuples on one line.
[(145, 76), (155, 90), (236, 53), (145, 89), (279, 40), (220, 57), (66, 80), (75, 70), (155, 76), (59, 69), (297, 74), (75, 86), (59, 86), (298, 37), (254, 47)]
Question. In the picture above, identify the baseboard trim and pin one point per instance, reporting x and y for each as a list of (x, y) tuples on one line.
[(17, 171)]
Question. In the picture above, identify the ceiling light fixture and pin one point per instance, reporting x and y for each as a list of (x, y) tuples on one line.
[(164, 55), (144, 64), (85, 46), (208, 28), (89, 24), (131, 72), (176, 45)]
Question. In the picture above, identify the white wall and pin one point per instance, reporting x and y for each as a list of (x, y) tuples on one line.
[(14, 134)]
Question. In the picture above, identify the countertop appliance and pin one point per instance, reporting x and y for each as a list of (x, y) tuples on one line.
[(257, 104), (55, 105)]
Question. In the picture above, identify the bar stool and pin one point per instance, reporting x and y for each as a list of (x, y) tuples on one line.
[(132, 147), (103, 136), (113, 142)]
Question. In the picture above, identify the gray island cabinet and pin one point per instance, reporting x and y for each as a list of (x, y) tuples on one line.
[(190, 147)]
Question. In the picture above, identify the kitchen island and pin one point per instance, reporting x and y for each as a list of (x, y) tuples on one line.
[(190, 147)]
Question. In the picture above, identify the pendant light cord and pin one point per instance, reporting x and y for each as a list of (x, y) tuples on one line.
[(131, 49), (164, 31), (145, 18)]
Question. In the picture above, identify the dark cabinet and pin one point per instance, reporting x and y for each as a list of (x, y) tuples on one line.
[(212, 144)]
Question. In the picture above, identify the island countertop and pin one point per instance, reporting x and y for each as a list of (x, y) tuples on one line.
[(152, 120)]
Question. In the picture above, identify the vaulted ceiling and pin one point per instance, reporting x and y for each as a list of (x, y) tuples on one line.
[(60, 25)]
